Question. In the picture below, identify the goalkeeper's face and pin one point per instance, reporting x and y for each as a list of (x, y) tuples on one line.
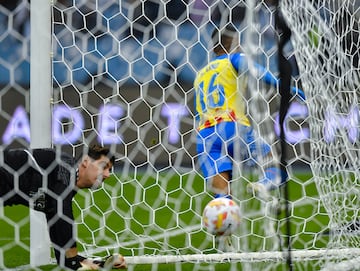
[(93, 172)]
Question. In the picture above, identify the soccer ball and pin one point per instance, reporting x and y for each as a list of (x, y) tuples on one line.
[(221, 216)]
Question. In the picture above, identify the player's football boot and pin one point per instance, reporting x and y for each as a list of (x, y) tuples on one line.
[(273, 180), (224, 244), (258, 189)]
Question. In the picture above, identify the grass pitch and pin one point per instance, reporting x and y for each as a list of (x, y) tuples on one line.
[(148, 216)]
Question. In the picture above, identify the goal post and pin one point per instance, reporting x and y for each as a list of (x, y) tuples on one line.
[(121, 75), (40, 114)]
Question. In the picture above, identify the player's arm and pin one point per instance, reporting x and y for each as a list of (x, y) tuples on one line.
[(62, 235), (269, 78), (240, 63)]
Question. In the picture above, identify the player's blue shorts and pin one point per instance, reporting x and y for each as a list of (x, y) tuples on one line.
[(215, 147)]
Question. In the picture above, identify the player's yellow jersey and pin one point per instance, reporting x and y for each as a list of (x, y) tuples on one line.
[(220, 94)]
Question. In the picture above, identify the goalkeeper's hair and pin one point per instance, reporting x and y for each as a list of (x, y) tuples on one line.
[(222, 38), (96, 151)]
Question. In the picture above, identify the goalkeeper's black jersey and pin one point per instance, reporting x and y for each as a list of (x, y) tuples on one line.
[(44, 180)]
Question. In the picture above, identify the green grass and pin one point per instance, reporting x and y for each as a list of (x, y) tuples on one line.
[(136, 208)]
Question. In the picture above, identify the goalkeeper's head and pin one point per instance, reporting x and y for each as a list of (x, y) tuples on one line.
[(95, 167), (97, 151), (225, 40)]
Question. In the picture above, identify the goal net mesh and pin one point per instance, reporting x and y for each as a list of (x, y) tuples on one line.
[(123, 76), (326, 46)]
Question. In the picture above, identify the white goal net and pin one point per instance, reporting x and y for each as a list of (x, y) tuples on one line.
[(122, 76)]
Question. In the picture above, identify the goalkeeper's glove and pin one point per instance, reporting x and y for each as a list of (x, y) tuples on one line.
[(116, 261), (75, 263)]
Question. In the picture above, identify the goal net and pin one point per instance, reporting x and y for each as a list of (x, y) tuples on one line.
[(326, 41), (122, 76)]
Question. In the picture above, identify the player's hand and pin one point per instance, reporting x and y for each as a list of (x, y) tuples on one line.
[(115, 261), (88, 264)]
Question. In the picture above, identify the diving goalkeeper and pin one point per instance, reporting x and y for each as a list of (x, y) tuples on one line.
[(220, 89), (47, 181)]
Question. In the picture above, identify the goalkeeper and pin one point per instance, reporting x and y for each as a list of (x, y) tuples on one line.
[(220, 112), (47, 181)]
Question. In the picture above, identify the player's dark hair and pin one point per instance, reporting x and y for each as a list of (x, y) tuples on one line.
[(96, 151), (222, 38)]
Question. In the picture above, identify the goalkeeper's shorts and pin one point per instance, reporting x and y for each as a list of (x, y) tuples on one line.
[(219, 145)]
